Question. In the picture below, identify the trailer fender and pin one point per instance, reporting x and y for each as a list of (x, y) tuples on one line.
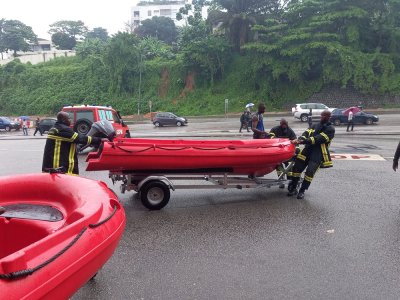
[(156, 178)]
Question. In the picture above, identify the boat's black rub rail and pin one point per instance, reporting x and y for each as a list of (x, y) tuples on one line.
[(30, 271)]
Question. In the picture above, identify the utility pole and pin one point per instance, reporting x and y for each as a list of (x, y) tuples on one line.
[(140, 82)]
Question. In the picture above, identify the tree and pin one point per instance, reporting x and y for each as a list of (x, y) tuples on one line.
[(98, 33), (65, 34), (203, 51), (162, 28), (122, 58), (325, 41), (63, 41), (237, 16), (15, 36)]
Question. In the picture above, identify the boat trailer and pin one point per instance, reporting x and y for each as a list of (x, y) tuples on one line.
[(154, 189)]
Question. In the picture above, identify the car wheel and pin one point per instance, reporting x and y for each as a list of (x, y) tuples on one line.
[(179, 123), (336, 122), (7, 128), (304, 118), (368, 121), (82, 127), (157, 124)]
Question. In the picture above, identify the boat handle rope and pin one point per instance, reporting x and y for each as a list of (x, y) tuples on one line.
[(26, 272), (197, 148), (105, 220)]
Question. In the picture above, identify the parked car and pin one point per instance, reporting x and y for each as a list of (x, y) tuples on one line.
[(46, 123), (361, 117), (83, 116), (301, 111), (168, 118), (8, 124)]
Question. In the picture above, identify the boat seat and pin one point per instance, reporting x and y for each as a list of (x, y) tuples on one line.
[(32, 212)]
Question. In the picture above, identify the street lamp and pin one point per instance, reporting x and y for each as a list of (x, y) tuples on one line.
[(226, 107)]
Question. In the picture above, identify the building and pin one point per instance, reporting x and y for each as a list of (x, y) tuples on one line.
[(42, 45), (146, 9)]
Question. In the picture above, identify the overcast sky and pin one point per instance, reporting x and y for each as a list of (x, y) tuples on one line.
[(39, 14)]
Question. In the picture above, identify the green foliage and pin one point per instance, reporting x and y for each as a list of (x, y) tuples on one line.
[(65, 34), (295, 51), (161, 28), (15, 36), (98, 33)]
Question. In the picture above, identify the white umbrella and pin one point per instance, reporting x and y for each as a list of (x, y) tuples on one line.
[(249, 105)]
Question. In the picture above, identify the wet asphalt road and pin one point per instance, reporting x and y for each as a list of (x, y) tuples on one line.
[(341, 242)]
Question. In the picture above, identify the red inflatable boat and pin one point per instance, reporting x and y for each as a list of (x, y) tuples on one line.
[(250, 157), (56, 232)]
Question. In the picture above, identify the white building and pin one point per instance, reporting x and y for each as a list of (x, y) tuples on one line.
[(146, 9)]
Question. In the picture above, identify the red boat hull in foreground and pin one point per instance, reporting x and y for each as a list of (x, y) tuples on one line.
[(56, 233), (246, 157)]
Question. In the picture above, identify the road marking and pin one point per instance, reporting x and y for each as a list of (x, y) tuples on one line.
[(343, 156)]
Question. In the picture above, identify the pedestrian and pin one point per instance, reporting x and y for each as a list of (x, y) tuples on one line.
[(37, 127), (282, 131), (60, 149), (314, 155), (257, 123), (350, 121), (309, 118), (396, 158), (244, 121), (24, 127)]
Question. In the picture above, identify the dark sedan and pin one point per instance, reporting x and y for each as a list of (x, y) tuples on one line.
[(361, 117), (167, 118), (46, 123), (7, 124)]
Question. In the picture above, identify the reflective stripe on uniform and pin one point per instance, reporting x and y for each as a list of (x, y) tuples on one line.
[(89, 140), (312, 140), (62, 139), (294, 174), (71, 161), (308, 178), (325, 136), (56, 156), (324, 153), (301, 157)]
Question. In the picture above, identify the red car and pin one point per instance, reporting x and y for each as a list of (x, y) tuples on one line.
[(83, 116)]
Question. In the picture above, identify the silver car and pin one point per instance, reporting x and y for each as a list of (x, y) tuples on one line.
[(302, 110)]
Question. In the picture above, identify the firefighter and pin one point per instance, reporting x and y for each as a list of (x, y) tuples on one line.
[(314, 155), (396, 158), (282, 131), (60, 148)]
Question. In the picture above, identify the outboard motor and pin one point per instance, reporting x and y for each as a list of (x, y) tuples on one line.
[(101, 129)]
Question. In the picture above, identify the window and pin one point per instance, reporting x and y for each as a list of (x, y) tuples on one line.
[(71, 116), (85, 114), (165, 12), (149, 13), (136, 14)]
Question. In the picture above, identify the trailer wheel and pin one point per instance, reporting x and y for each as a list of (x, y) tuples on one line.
[(154, 195)]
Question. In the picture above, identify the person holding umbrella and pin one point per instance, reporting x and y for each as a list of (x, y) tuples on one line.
[(350, 114)]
